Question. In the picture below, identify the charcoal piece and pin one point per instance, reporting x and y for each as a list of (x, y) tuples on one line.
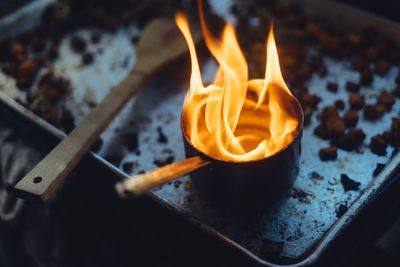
[(77, 44), (271, 249), (341, 210), (331, 125), (392, 138), (114, 158), (128, 167), (350, 118), (162, 138), (321, 132), (177, 184), (328, 153), (379, 167), (236, 9), (352, 86), (322, 71), (378, 145), (339, 104), (29, 67), (387, 135), (165, 157), (395, 138), (366, 77), (310, 99), (354, 39), (10, 69), (374, 112), (17, 50), (348, 183), (359, 63), (95, 37), (304, 72), (386, 99), (131, 141), (111, 22), (328, 112), (395, 124), (49, 91), (332, 87), (53, 52), (24, 83), (381, 67), (38, 44), (371, 53), (160, 163), (394, 56), (50, 114), (394, 152), (87, 58), (356, 101), (314, 61), (351, 140), (334, 126), (97, 145)]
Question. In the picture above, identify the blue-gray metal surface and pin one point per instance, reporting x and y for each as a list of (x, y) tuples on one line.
[(298, 222)]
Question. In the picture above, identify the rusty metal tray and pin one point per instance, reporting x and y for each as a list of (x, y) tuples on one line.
[(304, 227)]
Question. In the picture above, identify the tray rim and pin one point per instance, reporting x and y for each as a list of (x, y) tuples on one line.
[(379, 182), (372, 190)]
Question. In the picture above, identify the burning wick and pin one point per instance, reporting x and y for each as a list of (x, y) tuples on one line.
[(236, 119), (233, 120)]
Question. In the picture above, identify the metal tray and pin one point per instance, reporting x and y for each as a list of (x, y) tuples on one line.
[(306, 226)]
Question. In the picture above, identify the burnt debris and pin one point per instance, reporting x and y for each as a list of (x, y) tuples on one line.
[(348, 183), (162, 138), (379, 167), (329, 153), (351, 140), (341, 210), (350, 118), (378, 145), (165, 157)]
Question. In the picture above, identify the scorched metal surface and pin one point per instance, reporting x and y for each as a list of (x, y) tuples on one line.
[(302, 223)]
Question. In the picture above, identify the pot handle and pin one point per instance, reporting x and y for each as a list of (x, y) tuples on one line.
[(138, 184)]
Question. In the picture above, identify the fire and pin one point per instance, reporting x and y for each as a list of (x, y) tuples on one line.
[(234, 118)]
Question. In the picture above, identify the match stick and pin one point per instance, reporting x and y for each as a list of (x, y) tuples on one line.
[(137, 185)]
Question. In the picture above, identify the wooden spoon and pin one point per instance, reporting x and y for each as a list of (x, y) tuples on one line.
[(160, 43)]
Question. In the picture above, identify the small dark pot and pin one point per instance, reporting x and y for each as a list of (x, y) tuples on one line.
[(248, 184)]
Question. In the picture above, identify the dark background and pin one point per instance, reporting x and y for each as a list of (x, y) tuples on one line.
[(384, 8)]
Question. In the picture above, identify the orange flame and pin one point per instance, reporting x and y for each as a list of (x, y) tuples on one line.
[(236, 119)]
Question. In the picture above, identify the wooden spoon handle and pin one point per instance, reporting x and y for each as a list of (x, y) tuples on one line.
[(144, 182), (49, 174)]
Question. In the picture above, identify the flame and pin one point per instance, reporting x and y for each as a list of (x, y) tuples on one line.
[(236, 119)]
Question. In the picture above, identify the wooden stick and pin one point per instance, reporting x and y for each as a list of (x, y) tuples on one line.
[(141, 183)]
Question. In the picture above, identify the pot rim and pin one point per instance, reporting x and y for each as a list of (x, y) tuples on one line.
[(299, 131)]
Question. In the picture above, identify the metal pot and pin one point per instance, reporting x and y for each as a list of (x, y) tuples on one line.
[(253, 182)]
